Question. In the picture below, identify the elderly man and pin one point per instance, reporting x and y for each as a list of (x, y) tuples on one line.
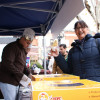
[(13, 68)]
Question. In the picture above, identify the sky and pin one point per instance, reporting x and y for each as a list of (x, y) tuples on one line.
[(84, 15)]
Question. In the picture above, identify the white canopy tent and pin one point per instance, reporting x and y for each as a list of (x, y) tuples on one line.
[(70, 9)]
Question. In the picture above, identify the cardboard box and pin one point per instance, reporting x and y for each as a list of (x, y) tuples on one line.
[(66, 90), (50, 77)]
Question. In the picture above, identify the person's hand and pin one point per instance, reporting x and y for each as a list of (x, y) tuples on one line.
[(54, 53), (31, 77), (25, 81)]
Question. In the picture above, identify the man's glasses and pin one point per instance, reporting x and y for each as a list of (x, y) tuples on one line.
[(27, 41)]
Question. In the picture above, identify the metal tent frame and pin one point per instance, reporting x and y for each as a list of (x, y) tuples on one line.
[(42, 27)]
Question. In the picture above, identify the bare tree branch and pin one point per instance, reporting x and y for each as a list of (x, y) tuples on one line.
[(89, 10)]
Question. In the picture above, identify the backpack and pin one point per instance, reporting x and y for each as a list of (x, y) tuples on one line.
[(97, 35)]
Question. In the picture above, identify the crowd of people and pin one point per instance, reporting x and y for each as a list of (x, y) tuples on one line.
[(83, 60)]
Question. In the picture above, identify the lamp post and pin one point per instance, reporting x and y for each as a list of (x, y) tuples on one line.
[(59, 38)]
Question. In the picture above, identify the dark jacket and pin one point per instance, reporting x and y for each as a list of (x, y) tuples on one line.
[(83, 59), (13, 63)]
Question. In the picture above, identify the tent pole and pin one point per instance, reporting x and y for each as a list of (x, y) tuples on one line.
[(44, 53), (27, 2), (31, 8)]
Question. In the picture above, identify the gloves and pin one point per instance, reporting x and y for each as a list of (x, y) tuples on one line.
[(25, 81)]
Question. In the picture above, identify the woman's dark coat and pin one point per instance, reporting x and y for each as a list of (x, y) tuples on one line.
[(83, 59)]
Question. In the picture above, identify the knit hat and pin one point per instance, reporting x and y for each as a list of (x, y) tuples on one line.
[(28, 34)]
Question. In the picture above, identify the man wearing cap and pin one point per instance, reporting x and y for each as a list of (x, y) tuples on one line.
[(13, 68)]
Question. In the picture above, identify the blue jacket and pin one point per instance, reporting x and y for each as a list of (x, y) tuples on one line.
[(83, 59)]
